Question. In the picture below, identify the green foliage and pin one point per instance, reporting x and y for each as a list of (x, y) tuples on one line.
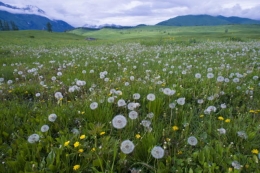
[(49, 27)]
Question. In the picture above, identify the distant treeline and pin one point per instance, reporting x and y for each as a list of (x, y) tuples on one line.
[(8, 26)]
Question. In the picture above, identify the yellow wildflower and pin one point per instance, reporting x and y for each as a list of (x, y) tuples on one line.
[(201, 116), (227, 120), (82, 137), (255, 151), (220, 118), (76, 167), (93, 149), (175, 128), (138, 136), (76, 144), (66, 143), (80, 150), (102, 133)]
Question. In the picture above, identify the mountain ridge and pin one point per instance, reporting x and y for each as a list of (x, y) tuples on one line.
[(31, 18), (206, 20)]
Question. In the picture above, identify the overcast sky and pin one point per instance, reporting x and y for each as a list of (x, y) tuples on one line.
[(134, 12)]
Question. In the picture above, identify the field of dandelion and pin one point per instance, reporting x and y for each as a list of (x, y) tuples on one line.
[(70, 105)]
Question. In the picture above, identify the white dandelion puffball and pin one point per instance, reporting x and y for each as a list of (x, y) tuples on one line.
[(58, 95), (121, 102), (33, 138), (119, 122), (136, 96), (110, 99), (236, 165), (192, 140), (242, 134), (220, 79), (222, 131), (127, 146), (223, 106), (75, 131), (181, 101), (132, 105), (157, 152), (172, 105), (146, 123), (210, 75), (210, 109), (59, 73), (45, 128), (167, 91), (151, 97), (133, 115), (93, 105), (80, 83), (38, 94), (198, 75), (52, 117), (200, 101)]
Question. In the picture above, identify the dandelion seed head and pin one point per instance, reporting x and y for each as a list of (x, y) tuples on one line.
[(127, 146), (45, 128), (119, 122), (157, 152), (133, 115), (52, 117), (192, 140), (151, 97), (93, 105), (33, 138)]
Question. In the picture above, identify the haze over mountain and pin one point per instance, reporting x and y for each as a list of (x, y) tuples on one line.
[(30, 18)]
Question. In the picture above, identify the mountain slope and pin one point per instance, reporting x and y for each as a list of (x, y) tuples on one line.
[(206, 20), (30, 18), (238, 20), (34, 22)]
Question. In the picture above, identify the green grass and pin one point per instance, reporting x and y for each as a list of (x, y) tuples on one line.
[(244, 32), (82, 139)]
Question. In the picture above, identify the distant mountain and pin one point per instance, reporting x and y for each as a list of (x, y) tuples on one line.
[(206, 20), (30, 18), (113, 26), (239, 20)]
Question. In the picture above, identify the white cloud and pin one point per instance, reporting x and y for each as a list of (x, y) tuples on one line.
[(134, 12)]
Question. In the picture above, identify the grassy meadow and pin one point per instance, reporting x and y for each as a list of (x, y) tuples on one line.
[(149, 99)]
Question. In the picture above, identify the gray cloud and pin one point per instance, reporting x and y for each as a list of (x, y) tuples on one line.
[(134, 12)]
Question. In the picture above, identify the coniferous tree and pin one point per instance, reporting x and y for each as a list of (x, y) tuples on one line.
[(14, 26), (1, 26), (49, 27), (6, 26)]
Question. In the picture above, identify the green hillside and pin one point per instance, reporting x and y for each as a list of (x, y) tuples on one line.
[(206, 20), (174, 33)]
